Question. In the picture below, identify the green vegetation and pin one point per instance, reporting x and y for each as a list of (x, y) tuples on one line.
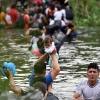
[(87, 12)]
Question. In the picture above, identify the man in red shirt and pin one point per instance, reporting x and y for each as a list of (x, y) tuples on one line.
[(14, 14), (26, 18)]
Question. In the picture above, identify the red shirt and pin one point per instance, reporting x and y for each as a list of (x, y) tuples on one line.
[(14, 15), (39, 1), (26, 19)]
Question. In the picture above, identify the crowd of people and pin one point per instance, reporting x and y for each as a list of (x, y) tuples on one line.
[(50, 23)]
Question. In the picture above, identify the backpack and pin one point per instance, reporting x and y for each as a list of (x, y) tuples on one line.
[(39, 79), (69, 14), (20, 22), (33, 79)]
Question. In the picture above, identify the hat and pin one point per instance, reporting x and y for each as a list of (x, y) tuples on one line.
[(66, 1), (8, 8), (10, 66)]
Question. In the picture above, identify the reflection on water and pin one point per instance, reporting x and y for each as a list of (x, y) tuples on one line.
[(74, 58)]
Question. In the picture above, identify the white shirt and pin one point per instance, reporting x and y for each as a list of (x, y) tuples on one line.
[(8, 18), (63, 12), (88, 91), (58, 15), (34, 40)]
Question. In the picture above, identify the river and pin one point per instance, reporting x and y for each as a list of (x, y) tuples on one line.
[(74, 59)]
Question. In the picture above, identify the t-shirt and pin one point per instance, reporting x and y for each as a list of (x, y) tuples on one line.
[(89, 92), (26, 18), (50, 63), (58, 15), (34, 40), (8, 18), (35, 50), (14, 15), (48, 77), (39, 18), (39, 1), (2, 17)]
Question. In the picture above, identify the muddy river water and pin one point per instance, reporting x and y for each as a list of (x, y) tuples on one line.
[(73, 61)]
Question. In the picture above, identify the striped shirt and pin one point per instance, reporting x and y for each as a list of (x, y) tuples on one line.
[(88, 92)]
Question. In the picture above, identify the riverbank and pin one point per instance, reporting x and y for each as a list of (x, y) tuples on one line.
[(86, 12)]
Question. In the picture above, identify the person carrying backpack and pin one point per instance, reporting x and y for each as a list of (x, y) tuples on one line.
[(20, 21), (69, 12)]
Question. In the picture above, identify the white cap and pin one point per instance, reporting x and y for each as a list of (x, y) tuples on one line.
[(66, 1), (8, 8)]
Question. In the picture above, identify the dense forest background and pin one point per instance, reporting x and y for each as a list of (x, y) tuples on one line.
[(86, 12)]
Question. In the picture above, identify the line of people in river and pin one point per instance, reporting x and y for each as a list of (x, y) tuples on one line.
[(86, 90), (46, 42), (49, 23), (36, 13)]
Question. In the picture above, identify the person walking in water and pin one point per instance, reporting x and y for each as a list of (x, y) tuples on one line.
[(90, 88)]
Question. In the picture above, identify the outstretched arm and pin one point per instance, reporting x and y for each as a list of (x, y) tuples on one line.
[(56, 68), (42, 58), (12, 84), (28, 31)]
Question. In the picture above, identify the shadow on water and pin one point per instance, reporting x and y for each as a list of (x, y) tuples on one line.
[(73, 61)]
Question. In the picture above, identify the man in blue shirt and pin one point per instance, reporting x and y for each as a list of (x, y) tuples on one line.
[(40, 73)]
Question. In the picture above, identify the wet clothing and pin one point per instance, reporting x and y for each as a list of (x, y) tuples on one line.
[(39, 1), (2, 18), (14, 15), (48, 78), (8, 18), (26, 19), (33, 93), (58, 15), (89, 92), (36, 52), (51, 96), (39, 18), (8, 21)]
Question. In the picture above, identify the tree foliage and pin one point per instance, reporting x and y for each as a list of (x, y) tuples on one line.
[(87, 12)]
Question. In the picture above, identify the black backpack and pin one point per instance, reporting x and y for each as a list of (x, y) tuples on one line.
[(20, 22), (39, 79), (69, 14)]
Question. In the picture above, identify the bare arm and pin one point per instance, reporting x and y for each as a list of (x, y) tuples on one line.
[(42, 58), (12, 84), (50, 88), (28, 31), (8, 22), (56, 68), (45, 20), (68, 31), (77, 97), (30, 21)]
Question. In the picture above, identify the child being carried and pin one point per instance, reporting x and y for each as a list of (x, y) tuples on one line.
[(49, 47)]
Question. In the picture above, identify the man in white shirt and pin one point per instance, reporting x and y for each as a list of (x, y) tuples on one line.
[(89, 89), (58, 15)]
